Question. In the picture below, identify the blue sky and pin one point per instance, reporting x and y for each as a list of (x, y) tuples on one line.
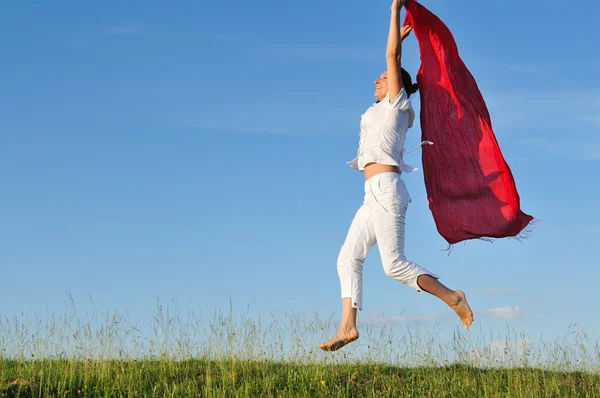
[(198, 151)]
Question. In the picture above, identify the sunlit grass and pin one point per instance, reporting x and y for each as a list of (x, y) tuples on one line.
[(185, 355)]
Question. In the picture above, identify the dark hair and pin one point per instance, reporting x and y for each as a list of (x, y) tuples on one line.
[(408, 84)]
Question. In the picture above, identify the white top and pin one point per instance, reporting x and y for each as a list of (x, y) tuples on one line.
[(383, 130)]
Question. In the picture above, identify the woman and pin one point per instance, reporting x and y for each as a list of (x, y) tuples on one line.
[(381, 217)]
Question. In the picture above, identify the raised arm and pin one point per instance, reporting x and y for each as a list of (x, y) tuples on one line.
[(393, 53)]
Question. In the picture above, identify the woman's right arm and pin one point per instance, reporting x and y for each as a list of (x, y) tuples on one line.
[(393, 53)]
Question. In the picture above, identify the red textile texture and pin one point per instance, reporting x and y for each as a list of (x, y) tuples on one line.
[(470, 187)]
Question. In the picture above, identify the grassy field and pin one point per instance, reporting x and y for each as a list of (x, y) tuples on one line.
[(175, 355), (200, 378)]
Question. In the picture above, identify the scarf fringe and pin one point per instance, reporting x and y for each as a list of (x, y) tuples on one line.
[(527, 231), (525, 234)]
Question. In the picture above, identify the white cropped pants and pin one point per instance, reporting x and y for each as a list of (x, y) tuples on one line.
[(381, 220)]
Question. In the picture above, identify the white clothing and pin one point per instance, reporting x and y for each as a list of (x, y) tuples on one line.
[(383, 130), (381, 220)]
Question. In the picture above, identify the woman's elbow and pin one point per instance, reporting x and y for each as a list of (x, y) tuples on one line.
[(392, 55)]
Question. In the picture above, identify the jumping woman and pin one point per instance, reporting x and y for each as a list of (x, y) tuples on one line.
[(381, 218)]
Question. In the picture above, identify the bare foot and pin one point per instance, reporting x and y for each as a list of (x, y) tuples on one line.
[(340, 339), (463, 310)]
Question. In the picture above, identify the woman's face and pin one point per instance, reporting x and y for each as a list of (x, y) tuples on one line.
[(381, 86)]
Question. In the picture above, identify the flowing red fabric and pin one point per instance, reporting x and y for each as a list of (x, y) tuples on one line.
[(471, 190)]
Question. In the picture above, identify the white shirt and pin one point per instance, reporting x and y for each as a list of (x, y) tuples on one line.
[(383, 130)]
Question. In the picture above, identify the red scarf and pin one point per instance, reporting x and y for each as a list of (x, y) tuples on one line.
[(470, 188)]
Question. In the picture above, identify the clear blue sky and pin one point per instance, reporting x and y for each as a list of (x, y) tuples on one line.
[(197, 151)]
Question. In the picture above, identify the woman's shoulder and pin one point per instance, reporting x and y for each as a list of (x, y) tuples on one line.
[(399, 103)]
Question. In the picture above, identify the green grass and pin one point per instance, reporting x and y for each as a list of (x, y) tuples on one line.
[(106, 355), (196, 378)]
